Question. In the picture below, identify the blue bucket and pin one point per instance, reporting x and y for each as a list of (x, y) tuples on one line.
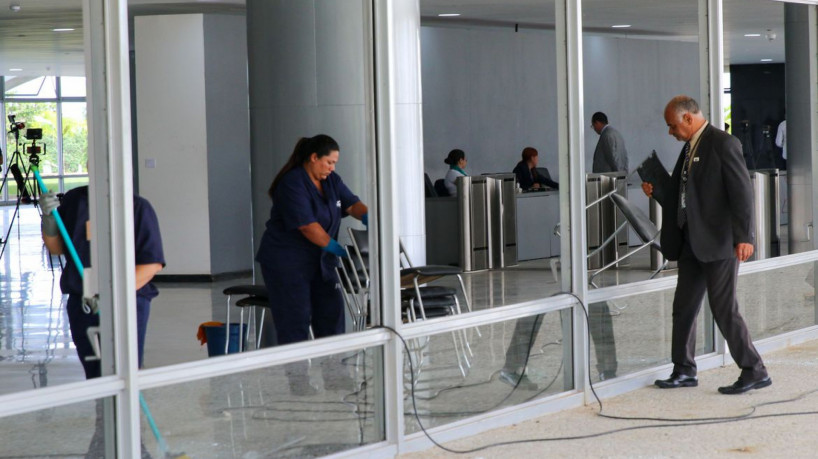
[(215, 339)]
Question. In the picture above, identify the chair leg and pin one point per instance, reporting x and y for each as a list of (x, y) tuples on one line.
[(468, 302), (241, 329), (260, 328), (661, 268), (227, 327)]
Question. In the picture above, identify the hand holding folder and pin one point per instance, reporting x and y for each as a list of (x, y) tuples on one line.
[(653, 171)]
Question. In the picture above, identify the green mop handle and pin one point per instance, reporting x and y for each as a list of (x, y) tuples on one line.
[(151, 422), (70, 245)]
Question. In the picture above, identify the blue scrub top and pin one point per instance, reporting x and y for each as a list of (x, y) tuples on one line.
[(296, 203), (73, 210)]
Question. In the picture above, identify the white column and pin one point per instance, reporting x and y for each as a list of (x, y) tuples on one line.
[(409, 128)]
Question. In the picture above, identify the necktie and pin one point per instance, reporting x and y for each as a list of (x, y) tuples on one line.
[(681, 213)]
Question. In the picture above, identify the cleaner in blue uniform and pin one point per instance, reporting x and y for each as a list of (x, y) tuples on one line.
[(298, 254)]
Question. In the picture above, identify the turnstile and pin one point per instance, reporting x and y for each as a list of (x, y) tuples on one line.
[(603, 218), (767, 210)]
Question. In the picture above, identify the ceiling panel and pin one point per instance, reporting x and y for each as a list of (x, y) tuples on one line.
[(27, 39)]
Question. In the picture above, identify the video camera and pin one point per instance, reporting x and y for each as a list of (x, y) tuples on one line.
[(15, 125), (34, 134)]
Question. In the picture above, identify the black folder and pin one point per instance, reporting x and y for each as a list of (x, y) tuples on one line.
[(653, 171)]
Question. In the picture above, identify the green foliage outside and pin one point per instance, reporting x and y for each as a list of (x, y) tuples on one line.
[(74, 132), (43, 115)]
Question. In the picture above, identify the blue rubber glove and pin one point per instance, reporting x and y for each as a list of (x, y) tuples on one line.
[(335, 248), (365, 219)]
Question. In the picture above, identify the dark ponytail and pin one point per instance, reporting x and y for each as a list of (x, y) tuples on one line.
[(454, 157), (321, 145)]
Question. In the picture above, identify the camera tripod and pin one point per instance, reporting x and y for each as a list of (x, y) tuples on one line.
[(26, 191)]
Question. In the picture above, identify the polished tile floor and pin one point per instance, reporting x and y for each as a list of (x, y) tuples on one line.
[(254, 414)]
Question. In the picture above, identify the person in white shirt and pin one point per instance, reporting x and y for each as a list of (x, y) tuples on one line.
[(781, 139), (457, 168)]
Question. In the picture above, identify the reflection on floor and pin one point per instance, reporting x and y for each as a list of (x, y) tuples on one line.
[(254, 414)]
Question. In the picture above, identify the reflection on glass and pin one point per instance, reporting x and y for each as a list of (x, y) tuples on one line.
[(778, 301), (259, 414), (634, 333), (28, 87), (460, 374), (74, 430)]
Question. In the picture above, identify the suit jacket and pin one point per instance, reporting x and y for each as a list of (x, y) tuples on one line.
[(610, 154), (719, 200)]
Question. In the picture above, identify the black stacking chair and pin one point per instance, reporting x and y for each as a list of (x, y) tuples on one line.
[(432, 301), (440, 187), (428, 186)]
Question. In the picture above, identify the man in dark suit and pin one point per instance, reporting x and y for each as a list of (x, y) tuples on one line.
[(708, 215), (610, 154)]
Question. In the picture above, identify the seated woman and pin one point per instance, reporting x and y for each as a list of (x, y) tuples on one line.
[(527, 175), (457, 163)]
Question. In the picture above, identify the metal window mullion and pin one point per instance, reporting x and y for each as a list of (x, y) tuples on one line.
[(60, 169), (386, 225), (572, 165), (263, 358), (60, 395), (111, 204), (710, 90)]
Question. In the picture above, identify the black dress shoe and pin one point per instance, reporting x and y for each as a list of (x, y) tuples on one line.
[(676, 380), (741, 386)]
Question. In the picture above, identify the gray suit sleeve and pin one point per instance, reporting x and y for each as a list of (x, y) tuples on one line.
[(615, 154), (739, 190)]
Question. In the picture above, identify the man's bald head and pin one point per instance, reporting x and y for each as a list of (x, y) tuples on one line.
[(683, 117)]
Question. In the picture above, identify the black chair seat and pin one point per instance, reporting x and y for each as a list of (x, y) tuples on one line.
[(246, 289), (254, 301), (431, 270), (428, 292)]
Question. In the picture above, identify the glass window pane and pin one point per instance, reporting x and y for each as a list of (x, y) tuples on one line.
[(303, 409), (75, 430), (72, 86), (469, 372), (778, 301), (74, 182), (630, 74), (40, 87), (74, 138), (637, 331), (488, 93), (37, 115)]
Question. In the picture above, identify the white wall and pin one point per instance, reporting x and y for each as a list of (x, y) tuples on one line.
[(631, 81), (491, 91), (193, 122), (171, 113)]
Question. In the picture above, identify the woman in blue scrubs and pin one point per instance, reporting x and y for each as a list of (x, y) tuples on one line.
[(298, 253)]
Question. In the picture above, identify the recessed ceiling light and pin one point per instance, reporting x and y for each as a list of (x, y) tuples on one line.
[(62, 30), (766, 60), (15, 70), (752, 34), (448, 15), (620, 26)]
